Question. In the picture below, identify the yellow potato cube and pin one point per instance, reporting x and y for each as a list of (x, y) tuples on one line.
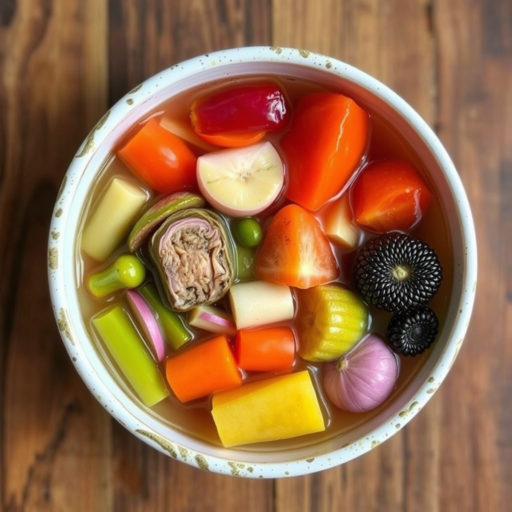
[(268, 410)]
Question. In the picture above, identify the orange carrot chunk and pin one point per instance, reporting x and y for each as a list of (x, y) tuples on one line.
[(203, 369), (160, 158), (265, 350)]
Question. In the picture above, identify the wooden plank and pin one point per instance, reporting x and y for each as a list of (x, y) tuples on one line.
[(147, 36), (54, 437), (393, 41), (144, 38), (475, 69)]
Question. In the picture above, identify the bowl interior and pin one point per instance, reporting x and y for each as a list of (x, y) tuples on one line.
[(81, 176)]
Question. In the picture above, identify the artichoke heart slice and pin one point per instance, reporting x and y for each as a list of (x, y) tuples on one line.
[(193, 255)]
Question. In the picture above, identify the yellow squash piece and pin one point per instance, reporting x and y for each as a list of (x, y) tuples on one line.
[(112, 218), (268, 410), (331, 321)]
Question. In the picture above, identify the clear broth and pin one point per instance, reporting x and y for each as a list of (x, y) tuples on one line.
[(195, 419)]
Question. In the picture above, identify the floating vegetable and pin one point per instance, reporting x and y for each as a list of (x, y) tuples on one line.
[(245, 258), (172, 325), (240, 182), (203, 369), (233, 140), (265, 350), (212, 319), (390, 195), (184, 131), (259, 303), (413, 331), (248, 232), (127, 271), (324, 147), (295, 251), (242, 109), (268, 410), (364, 378), (192, 254), (160, 158), (338, 224), (331, 321), (148, 323), (396, 272), (129, 353), (153, 217), (112, 218)]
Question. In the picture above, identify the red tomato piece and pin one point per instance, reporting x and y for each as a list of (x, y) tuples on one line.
[(389, 195), (325, 145), (265, 350), (295, 251), (248, 108), (160, 158)]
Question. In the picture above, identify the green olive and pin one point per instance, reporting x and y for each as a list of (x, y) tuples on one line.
[(248, 232)]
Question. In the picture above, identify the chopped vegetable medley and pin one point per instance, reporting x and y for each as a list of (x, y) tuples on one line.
[(255, 258)]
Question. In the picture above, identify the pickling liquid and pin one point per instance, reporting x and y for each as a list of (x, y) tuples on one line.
[(195, 418)]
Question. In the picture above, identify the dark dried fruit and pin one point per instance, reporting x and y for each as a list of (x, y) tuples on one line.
[(396, 272), (412, 332)]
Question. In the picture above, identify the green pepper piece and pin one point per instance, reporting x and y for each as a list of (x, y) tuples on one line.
[(128, 351), (127, 271), (244, 263), (175, 332), (158, 213)]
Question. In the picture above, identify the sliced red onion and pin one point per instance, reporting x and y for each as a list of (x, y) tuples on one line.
[(364, 378), (147, 322), (212, 319)]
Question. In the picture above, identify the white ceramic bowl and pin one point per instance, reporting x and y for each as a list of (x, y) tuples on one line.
[(63, 272)]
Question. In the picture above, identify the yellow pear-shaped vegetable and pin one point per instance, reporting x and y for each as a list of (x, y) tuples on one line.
[(331, 321)]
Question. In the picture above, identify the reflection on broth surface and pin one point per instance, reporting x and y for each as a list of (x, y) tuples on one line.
[(195, 418)]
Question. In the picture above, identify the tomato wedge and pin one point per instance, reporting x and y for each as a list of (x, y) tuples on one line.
[(295, 251), (160, 158), (324, 147), (389, 195), (233, 140)]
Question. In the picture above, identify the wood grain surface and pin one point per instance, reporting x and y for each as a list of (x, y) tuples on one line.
[(63, 62)]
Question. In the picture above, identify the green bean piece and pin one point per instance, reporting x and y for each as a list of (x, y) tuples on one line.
[(129, 352), (244, 263), (175, 332)]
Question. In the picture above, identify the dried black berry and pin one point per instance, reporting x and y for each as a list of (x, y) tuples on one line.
[(412, 332), (396, 272)]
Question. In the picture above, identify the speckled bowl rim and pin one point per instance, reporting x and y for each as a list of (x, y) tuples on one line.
[(143, 429)]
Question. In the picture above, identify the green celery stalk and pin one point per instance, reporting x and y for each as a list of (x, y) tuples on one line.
[(129, 352), (175, 332)]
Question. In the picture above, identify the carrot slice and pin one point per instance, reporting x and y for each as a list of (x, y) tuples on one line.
[(265, 350), (203, 369), (295, 251), (233, 140), (324, 147), (160, 158)]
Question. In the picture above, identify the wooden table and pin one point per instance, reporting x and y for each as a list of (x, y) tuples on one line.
[(63, 62)]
